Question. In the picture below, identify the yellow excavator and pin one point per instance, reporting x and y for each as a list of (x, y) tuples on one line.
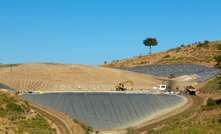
[(123, 86)]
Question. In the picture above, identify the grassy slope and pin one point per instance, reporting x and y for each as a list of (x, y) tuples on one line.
[(194, 53), (16, 117), (202, 120)]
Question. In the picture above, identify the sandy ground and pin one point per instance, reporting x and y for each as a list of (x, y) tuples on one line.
[(71, 77)]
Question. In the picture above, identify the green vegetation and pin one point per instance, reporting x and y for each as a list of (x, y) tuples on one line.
[(12, 110), (150, 42), (220, 118), (218, 46), (202, 120), (36, 125), (18, 115), (211, 102), (13, 107), (203, 44), (218, 60), (195, 125), (213, 86)]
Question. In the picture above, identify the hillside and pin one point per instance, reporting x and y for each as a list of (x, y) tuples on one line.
[(17, 117), (54, 77), (205, 118), (196, 53)]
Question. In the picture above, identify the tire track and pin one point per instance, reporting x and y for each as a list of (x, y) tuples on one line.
[(63, 127)]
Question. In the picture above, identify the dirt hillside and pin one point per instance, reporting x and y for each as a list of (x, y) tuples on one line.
[(55, 77), (196, 53)]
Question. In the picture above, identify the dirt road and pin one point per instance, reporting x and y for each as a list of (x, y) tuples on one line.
[(62, 126), (194, 102)]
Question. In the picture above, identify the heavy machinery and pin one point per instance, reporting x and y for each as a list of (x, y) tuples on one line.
[(163, 87), (191, 90), (123, 86)]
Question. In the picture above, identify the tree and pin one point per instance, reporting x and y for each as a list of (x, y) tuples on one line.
[(150, 42), (206, 42)]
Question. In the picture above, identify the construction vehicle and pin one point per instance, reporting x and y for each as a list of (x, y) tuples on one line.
[(191, 90), (122, 86), (163, 87)]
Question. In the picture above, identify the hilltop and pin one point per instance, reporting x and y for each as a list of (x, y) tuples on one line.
[(62, 77), (196, 53)]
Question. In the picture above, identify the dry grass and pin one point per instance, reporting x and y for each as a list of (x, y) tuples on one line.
[(192, 54)]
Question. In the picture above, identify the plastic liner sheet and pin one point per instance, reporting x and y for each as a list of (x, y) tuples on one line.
[(106, 111)]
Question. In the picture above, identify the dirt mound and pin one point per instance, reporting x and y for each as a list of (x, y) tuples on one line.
[(61, 77)]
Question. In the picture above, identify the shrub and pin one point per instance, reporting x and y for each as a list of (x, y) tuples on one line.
[(182, 45), (2, 112), (211, 102), (220, 118), (143, 62), (13, 107), (35, 125), (166, 56), (218, 59), (218, 46), (203, 44)]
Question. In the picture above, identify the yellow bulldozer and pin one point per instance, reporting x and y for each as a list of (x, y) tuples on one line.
[(123, 86), (191, 90)]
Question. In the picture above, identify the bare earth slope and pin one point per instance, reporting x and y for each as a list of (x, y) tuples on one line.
[(196, 53), (55, 77)]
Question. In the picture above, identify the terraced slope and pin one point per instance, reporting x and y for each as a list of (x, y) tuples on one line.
[(195, 53), (69, 77), (109, 111)]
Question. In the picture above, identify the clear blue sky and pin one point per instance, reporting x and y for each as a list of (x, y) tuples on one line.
[(92, 31)]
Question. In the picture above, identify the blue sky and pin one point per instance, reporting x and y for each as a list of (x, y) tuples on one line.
[(92, 31)]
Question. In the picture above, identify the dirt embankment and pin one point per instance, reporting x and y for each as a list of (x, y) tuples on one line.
[(59, 77)]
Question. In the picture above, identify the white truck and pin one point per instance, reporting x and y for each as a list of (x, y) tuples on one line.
[(163, 87)]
